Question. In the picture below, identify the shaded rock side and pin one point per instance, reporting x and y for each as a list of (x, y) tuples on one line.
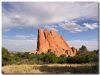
[(42, 43), (50, 41)]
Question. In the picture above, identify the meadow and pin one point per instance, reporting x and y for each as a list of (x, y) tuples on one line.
[(51, 68)]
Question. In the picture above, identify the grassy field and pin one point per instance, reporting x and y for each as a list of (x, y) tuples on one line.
[(51, 68)]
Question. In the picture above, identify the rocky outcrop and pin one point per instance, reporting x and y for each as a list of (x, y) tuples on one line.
[(50, 41)]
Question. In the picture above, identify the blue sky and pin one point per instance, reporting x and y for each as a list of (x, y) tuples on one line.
[(77, 22)]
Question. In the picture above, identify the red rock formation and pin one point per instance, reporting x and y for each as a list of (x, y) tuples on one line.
[(50, 41), (42, 44)]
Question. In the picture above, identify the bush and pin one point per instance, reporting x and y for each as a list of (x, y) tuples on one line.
[(61, 60), (49, 58), (88, 57)]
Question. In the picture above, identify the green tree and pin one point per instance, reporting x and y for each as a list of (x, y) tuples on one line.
[(4, 51), (49, 58), (26, 55), (61, 60), (5, 56), (83, 49)]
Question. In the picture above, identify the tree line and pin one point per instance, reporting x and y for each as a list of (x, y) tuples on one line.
[(84, 56)]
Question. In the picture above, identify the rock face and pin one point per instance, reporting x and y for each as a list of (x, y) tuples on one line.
[(50, 41)]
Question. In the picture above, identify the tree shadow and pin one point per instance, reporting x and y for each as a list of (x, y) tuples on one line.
[(69, 69)]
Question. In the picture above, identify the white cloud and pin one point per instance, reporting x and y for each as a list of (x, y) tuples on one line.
[(90, 44), (21, 37), (51, 27), (91, 26), (19, 45), (31, 14), (14, 20), (72, 27)]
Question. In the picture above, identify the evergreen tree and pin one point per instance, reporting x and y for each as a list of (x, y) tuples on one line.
[(83, 49)]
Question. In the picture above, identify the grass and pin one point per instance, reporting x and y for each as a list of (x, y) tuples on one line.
[(51, 68)]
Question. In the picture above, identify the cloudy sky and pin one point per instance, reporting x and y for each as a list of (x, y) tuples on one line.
[(77, 22)]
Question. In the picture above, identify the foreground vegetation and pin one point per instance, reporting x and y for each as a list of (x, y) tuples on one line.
[(20, 58)]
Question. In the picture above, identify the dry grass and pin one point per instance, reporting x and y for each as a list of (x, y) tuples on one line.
[(49, 68), (21, 69)]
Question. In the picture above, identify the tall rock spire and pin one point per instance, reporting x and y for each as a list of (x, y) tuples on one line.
[(51, 41), (42, 43)]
